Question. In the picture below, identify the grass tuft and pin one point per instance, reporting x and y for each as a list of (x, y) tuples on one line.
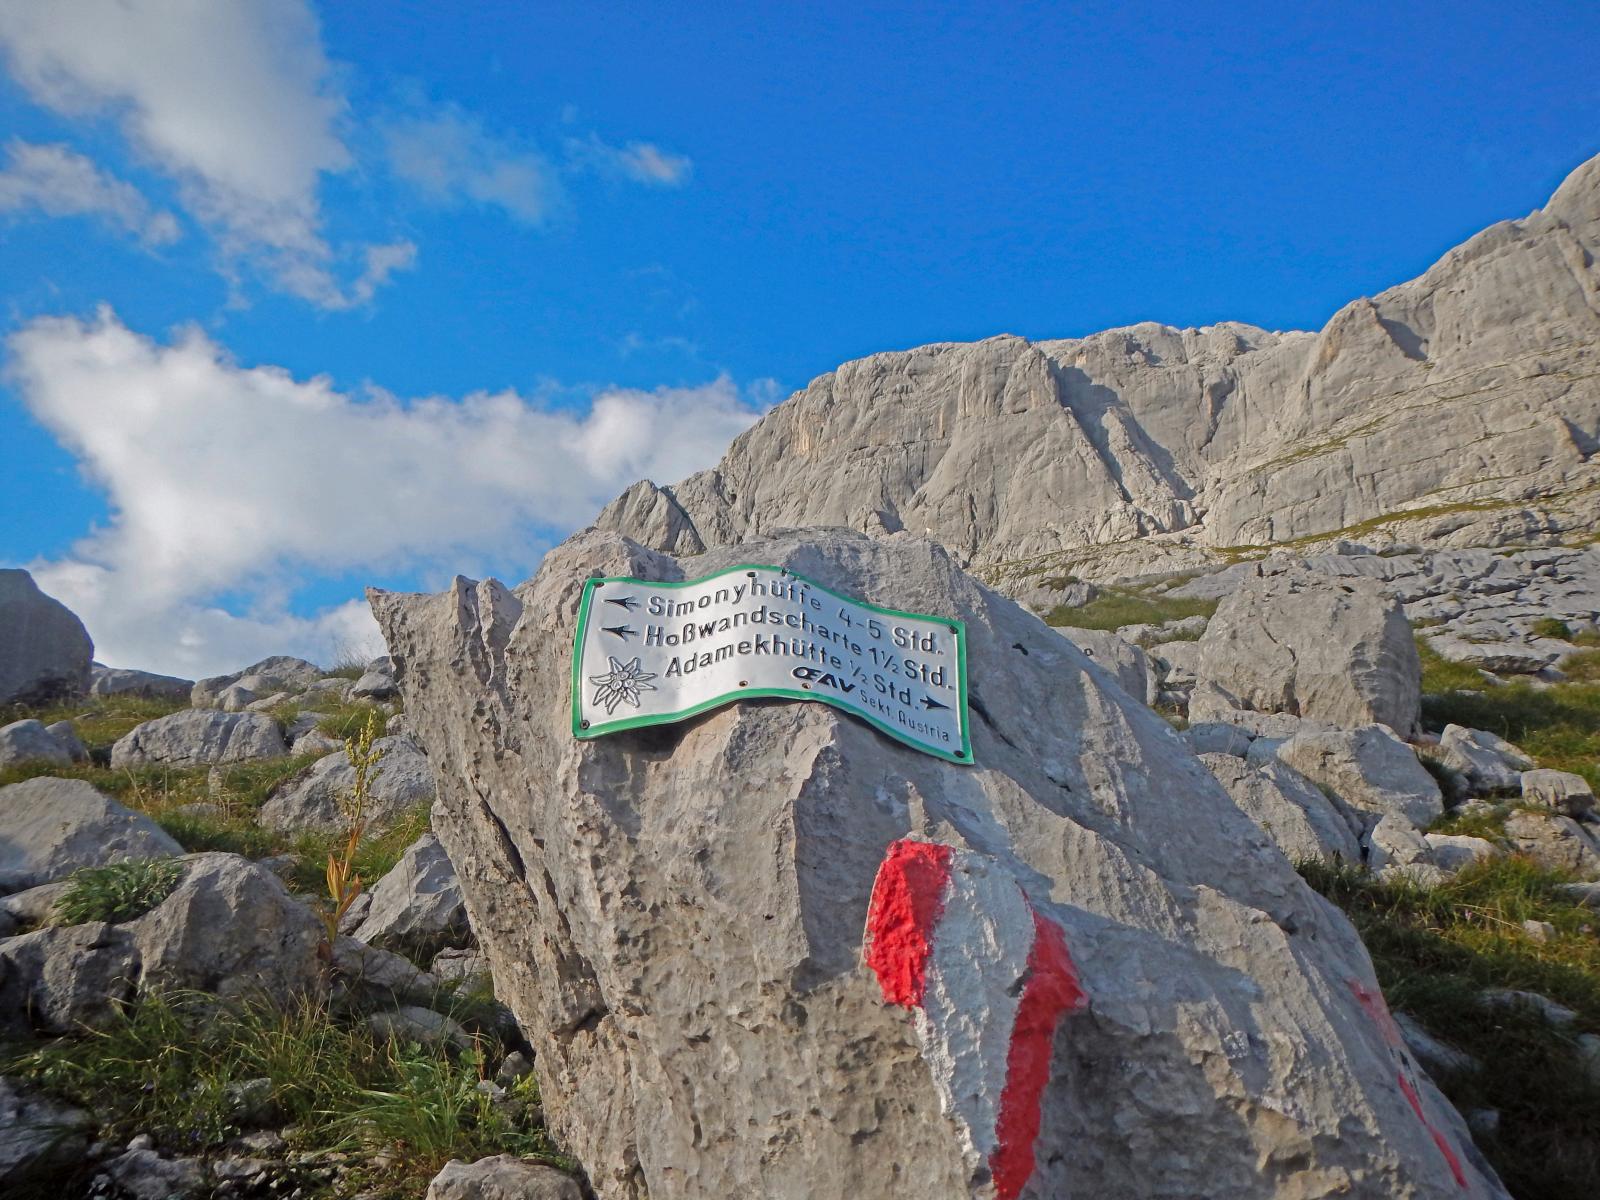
[(118, 892), (1115, 607)]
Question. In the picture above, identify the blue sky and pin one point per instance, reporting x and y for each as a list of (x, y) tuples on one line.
[(300, 297)]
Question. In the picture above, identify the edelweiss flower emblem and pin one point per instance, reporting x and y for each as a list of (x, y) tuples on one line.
[(621, 683)]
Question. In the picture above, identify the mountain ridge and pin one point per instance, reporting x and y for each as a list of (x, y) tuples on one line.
[(1461, 407)]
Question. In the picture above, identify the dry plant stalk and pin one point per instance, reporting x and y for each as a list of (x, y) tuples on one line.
[(344, 884)]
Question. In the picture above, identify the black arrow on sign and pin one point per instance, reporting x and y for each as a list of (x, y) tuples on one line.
[(930, 702), (626, 602), (622, 631)]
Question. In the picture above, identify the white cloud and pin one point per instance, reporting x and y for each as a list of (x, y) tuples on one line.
[(642, 162), (448, 156), (227, 480), (59, 182), (231, 98)]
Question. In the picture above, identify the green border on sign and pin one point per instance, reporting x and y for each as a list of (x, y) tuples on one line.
[(956, 626)]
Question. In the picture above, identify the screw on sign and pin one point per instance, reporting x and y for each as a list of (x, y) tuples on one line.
[(650, 652)]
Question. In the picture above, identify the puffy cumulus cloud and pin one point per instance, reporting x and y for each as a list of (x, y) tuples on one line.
[(60, 182), (232, 99), (452, 160), (242, 482)]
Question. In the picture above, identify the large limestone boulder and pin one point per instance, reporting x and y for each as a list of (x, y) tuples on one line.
[(38, 1136), (1369, 769), (1338, 650), (62, 979), (200, 736), (45, 651), (115, 681), (1128, 664), (1300, 820), (502, 1177), (51, 827), (769, 952), (401, 781), (31, 741), (280, 673)]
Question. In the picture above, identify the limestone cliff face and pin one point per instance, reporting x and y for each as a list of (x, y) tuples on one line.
[(1468, 395)]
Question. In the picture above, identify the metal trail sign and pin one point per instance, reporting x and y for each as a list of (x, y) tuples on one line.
[(651, 653)]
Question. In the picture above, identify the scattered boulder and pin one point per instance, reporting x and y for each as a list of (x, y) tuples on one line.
[(1453, 851), (1437, 1057), (375, 685), (66, 733), (145, 1175), (40, 1137), (31, 741), (45, 651), (1554, 841), (502, 1177), (1123, 661), (1498, 657), (418, 904), (689, 903), (280, 673), (1218, 737), (372, 976), (112, 681), (310, 800), (1370, 769), (63, 979), (1488, 763), (1555, 1014), (1210, 705), (200, 736), (54, 826), (1395, 842), (1302, 822), (461, 966), (1339, 650), (236, 698), (413, 1023), (1560, 790)]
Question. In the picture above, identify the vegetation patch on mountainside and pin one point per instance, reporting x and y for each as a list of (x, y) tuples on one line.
[(1115, 607)]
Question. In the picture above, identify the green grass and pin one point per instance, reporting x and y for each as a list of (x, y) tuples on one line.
[(374, 857), (100, 720), (345, 720), (1115, 607), (165, 1067), (1440, 675), (1550, 627), (1436, 949), (1583, 667), (118, 892)]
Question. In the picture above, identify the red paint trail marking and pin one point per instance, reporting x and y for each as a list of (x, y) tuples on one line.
[(907, 902), (1378, 1010), (1439, 1139), (1051, 992)]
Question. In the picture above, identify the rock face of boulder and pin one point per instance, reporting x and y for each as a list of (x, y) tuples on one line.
[(280, 673), (769, 952), (1369, 769), (112, 681), (401, 780), (31, 741), (418, 903), (1336, 650), (200, 736), (38, 1136), (1466, 396), (45, 651), (1300, 820), (501, 1178), (51, 827)]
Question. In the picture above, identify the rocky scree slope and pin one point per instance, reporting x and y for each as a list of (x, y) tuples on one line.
[(1468, 397)]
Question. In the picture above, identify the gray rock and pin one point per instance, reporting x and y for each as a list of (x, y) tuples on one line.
[(1395, 842), (45, 651), (1539, 931), (237, 698), (200, 736), (1178, 662), (1123, 661), (1555, 1014), (110, 681), (412, 1023), (230, 928), (62, 979), (1043, 594), (280, 673), (66, 734), (1588, 1054), (33, 906), (1488, 763), (502, 1177), (418, 903), (688, 903), (1502, 657), (31, 742), (401, 781), (466, 967), (316, 743), (1454, 851), (38, 1136), (1337, 650), (1369, 769), (1554, 841), (1218, 737), (374, 976), (375, 685), (1437, 1057), (249, 1101), (54, 826), (1209, 704), (1300, 820), (145, 1175), (1560, 790)]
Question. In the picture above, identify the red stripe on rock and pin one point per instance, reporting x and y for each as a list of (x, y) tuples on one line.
[(1439, 1139), (1051, 992), (907, 902)]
